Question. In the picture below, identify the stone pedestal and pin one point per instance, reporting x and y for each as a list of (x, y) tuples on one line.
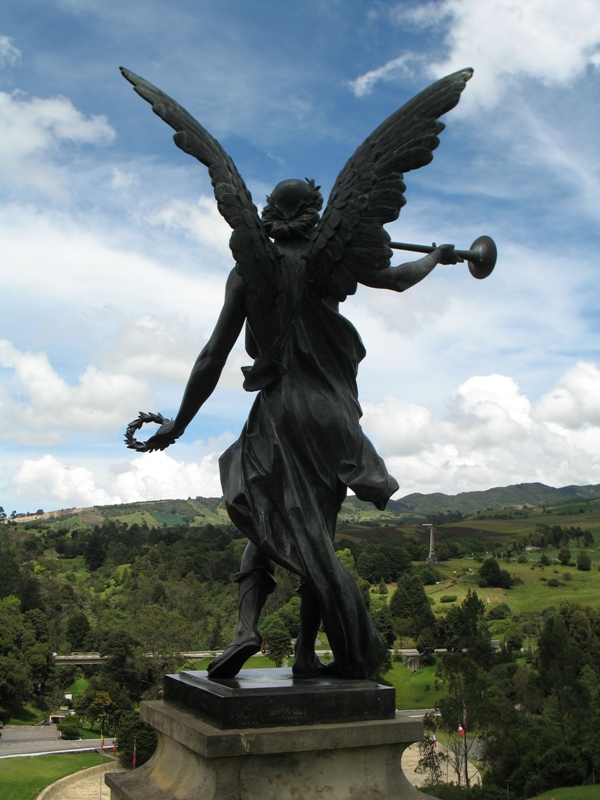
[(197, 760)]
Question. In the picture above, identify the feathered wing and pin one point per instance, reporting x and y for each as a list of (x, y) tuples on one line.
[(350, 244), (254, 253)]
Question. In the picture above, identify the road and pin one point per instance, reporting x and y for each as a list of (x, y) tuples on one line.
[(29, 740)]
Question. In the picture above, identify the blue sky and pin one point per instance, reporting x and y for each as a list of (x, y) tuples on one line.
[(114, 257)]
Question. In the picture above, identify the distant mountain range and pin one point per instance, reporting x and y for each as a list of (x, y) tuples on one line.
[(521, 494), (211, 510)]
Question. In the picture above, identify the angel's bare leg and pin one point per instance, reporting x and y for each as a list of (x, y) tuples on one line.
[(256, 582)]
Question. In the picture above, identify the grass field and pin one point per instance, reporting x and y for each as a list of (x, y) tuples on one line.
[(571, 793), (413, 690), (24, 778), (533, 594)]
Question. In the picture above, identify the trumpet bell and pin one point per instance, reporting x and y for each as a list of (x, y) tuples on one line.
[(481, 257)]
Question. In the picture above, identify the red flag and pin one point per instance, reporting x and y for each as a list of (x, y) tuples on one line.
[(434, 740), (101, 741), (114, 745), (134, 759), (461, 730)]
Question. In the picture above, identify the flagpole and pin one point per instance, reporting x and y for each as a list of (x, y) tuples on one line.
[(101, 754)]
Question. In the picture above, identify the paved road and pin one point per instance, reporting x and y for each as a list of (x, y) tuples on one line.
[(28, 740)]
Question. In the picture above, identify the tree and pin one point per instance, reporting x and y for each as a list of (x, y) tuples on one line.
[(564, 555), (584, 562), (95, 550), (431, 758), (463, 628), (426, 645), (490, 574), (77, 630), (385, 624), (410, 607), (279, 644), (462, 708), (131, 731), (347, 559)]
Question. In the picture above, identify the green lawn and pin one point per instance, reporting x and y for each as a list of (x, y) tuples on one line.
[(533, 594), (571, 793), (28, 716), (414, 689), (24, 778)]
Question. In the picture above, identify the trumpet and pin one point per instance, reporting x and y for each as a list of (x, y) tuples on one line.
[(481, 258)]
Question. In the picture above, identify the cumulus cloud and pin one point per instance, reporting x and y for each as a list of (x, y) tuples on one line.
[(54, 483), (51, 483), (159, 475), (550, 41), (32, 132), (39, 406), (574, 402), (491, 434)]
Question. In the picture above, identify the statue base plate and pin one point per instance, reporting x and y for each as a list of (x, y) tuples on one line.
[(342, 761), (274, 697)]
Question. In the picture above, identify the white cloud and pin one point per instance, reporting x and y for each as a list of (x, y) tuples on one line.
[(549, 41), (575, 400), (158, 475), (123, 180), (201, 220), (50, 482), (389, 71), (32, 132), (491, 435), (9, 54), (38, 406), (72, 264)]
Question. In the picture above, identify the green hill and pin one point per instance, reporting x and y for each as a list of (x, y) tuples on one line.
[(412, 509)]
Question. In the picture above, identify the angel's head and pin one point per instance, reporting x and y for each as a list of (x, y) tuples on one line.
[(292, 209)]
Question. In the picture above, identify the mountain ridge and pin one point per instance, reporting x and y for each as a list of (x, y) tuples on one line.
[(201, 510)]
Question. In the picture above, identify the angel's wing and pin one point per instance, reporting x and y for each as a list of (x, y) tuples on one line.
[(350, 244), (256, 257)]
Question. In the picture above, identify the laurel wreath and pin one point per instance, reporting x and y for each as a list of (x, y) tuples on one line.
[(133, 427)]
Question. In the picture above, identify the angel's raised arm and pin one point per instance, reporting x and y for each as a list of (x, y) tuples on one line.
[(403, 276)]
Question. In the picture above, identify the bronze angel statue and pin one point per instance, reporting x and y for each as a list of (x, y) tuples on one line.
[(303, 447)]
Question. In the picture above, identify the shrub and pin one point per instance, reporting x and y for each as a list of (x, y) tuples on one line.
[(69, 727), (448, 598), (501, 611)]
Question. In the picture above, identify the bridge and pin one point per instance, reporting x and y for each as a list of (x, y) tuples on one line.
[(81, 659)]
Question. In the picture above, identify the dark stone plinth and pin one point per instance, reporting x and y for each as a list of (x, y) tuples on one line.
[(258, 698)]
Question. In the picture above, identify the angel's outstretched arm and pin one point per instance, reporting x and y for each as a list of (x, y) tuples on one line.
[(404, 276), (207, 370)]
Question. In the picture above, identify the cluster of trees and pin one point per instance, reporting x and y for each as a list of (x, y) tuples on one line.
[(130, 591), (544, 536), (535, 722)]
